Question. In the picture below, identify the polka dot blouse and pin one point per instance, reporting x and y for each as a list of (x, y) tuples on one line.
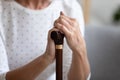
[(23, 34)]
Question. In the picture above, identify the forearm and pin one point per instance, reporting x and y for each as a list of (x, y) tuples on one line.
[(80, 68), (70, 27), (29, 71)]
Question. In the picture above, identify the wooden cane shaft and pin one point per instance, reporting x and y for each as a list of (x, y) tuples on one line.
[(59, 64)]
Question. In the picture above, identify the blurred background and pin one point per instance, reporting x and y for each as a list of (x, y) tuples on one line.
[(100, 12), (102, 35)]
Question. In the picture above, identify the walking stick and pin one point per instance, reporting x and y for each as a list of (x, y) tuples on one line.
[(58, 39)]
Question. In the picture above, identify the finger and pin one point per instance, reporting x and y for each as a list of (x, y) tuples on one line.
[(56, 21), (55, 24), (67, 19), (73, 22), (62, 28), (53, 29), (65, 23)]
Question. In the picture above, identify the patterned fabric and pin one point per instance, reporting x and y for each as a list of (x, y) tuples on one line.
[(24, 34), (3, 61)]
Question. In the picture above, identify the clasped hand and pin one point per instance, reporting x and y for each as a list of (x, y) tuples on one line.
[(71, 28)]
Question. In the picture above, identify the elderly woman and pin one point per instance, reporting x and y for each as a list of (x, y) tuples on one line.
[(26, 50)]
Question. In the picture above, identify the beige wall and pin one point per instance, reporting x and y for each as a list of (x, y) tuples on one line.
[(103, 10)]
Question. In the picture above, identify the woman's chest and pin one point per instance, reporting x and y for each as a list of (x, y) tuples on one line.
[(25, 38)]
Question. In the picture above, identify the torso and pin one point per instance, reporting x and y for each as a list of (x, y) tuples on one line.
[(25, 33)]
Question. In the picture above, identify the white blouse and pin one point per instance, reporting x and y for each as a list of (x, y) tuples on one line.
[(23, 34)]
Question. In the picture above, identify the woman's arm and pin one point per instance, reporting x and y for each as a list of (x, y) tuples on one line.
[(29, 71), (80, 68), (34, 68), (80, 64)]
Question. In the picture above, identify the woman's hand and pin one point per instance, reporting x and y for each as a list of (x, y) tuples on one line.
[(80, 68), (50, 49), (70, 27)]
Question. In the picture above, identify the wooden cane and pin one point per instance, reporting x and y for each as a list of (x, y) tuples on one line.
[(58, 39)]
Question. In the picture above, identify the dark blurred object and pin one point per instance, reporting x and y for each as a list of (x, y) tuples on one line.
[(116, 16), (57, 36)]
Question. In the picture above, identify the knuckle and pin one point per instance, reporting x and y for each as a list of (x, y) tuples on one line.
[(60, 19), (70, 36), (75, 23), (74, 29), (55, 22), (62, 27), (49, 31), (74, 20)]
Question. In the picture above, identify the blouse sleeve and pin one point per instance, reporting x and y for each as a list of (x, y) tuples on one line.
[(3, 56)]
